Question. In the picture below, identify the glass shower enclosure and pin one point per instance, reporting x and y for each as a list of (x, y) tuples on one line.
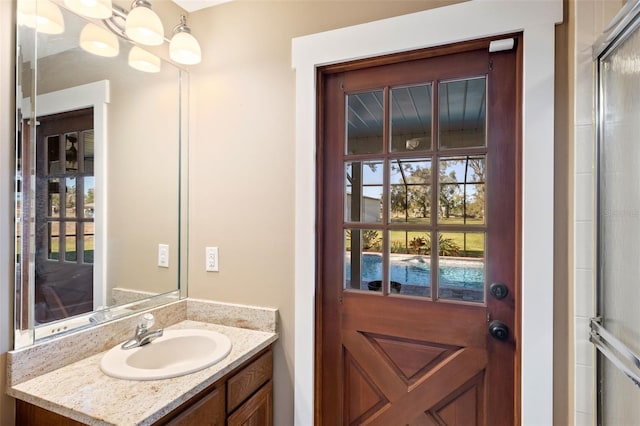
[(615, 331)]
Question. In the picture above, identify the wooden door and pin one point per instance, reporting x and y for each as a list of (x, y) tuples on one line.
[(419, 170), (64, 215)]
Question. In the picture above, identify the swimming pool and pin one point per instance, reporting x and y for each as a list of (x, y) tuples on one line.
[(415, 271)]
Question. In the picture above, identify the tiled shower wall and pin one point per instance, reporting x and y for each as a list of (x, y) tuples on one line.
[(590, 18)]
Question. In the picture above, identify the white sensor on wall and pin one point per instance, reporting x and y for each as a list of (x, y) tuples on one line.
[(211, 259)]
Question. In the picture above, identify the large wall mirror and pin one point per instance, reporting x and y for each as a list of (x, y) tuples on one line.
[(100, 179)]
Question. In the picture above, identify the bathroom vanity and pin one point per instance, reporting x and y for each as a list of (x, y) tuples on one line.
[(237, 390), (243, 396)]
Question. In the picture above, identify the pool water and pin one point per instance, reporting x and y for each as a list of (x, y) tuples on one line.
[(416, 270)]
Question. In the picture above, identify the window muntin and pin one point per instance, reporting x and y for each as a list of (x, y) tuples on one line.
[(413, 207)]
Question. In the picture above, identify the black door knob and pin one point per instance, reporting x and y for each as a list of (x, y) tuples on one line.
[(498, 290), (499, 330)]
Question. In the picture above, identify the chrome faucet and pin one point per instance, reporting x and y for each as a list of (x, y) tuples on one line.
[(143, 334)]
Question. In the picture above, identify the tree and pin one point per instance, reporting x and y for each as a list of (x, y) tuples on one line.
[(413, 193), (475, 206), (90, 197), (450, 195)]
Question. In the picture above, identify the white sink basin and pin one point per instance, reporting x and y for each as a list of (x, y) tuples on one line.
[(176, 353)]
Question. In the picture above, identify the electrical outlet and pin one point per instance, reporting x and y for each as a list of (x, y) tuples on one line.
[(163, 255), (211, 259)]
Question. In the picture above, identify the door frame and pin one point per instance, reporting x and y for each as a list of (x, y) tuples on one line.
[(433, 28)]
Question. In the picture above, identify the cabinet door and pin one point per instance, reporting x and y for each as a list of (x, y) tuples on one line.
[(257, 411), (208, 411)]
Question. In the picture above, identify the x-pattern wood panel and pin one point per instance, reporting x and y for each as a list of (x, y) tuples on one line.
[(423, 401)]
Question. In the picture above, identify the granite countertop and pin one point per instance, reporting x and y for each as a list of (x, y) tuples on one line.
[(81, 391)]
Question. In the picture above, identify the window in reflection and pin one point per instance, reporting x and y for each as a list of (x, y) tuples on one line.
[(70, 197), (53, 154), (71, 151), (53, 190), (88, 151)]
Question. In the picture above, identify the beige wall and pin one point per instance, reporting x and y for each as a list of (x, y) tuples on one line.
[(242, 153)]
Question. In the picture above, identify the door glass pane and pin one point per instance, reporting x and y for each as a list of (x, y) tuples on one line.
[(88, 244), (411, 118), (461, 266), (410, 263), (410, 192), (619, 226), (88, 151), (363, 259), (70, 197), (70, 242), (461, 190), (365, 122), (462, 113), (53, 204), (88, 201), (363, 192), (53, 239), (71, 151), (53, 155)]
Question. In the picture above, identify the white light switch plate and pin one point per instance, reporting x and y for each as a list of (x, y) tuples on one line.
[(211, 259), (163, 255)]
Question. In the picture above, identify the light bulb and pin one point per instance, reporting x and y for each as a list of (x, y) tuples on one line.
[(142, 60), (143, 25), (42, 15), (184, 47), (99, 9), (99, 41)]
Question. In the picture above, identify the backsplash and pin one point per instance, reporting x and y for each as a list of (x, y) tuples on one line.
[(44, 357)]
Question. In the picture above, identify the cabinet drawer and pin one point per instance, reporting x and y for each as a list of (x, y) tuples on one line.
[(248, 380)]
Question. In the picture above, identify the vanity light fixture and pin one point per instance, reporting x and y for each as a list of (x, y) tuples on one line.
[(43, 15), (143, 25), (99, 9), (99, 41), (142, 60), (184, 48)]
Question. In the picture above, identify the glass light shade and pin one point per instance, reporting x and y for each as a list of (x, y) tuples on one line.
[(143, 61), (144, 26), (184, 49), (42, 15), (99, 41), (99, 9)]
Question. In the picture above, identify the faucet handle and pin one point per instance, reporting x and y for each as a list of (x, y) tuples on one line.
[(146, 321)]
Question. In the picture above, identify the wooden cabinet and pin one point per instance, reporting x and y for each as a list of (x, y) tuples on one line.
[(256, 411), (207, 410), (244, 397)]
